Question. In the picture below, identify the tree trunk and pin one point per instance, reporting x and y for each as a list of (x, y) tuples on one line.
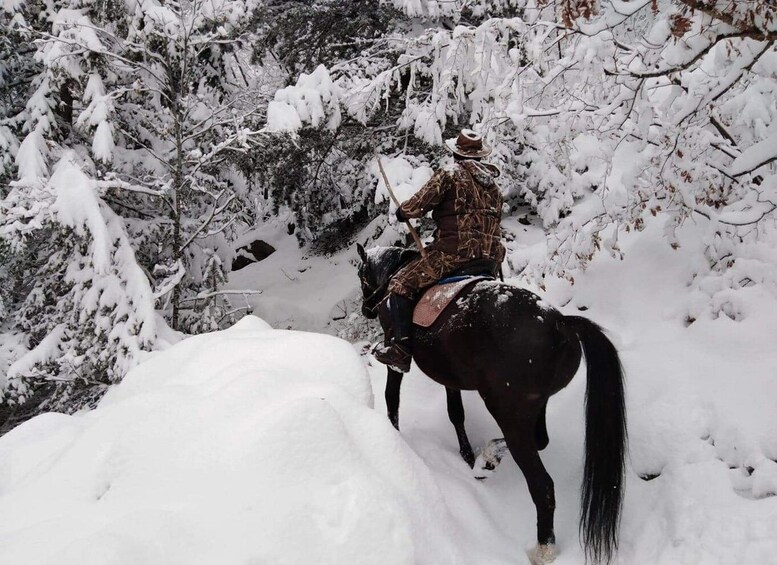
[(177, 193)]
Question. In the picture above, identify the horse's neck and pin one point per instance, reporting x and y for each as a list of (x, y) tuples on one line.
[(391, 261)]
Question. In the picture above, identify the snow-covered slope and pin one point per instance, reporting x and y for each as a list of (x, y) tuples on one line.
[(250, 445), (299, 291), (260, 446), (702, 421)]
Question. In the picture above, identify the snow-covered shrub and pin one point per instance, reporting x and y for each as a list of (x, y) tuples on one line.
[(303, 34), (321, 177), (88, 310)]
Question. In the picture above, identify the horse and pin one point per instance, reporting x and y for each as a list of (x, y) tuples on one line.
[(517, 351)]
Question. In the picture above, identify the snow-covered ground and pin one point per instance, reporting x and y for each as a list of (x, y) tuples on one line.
[(261, 446), (299, 291)]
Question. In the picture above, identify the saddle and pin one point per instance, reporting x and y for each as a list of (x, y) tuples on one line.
[(438, 297)]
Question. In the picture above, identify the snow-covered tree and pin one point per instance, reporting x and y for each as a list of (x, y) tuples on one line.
[(88, 306), (320, 174), (603, 114), (152, 105)]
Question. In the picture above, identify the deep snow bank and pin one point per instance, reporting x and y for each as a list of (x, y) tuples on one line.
[(250, 445), (702, 464)]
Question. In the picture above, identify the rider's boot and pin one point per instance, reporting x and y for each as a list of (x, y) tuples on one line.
[(398, 354)]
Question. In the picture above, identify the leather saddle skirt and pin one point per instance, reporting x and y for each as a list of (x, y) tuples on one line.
[(437, 298)]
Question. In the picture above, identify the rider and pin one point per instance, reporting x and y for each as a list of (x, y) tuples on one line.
[(466, 206)]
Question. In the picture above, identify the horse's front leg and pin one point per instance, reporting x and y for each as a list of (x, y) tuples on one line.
[(456, 415), (393, 384)]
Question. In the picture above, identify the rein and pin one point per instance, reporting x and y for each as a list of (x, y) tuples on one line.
[(374, 309)]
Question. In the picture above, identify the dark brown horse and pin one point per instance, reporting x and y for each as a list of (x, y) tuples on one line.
[(516, 351)]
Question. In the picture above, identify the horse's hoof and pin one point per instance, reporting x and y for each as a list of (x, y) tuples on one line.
[(489, 459), (543, 553), (482, 469)]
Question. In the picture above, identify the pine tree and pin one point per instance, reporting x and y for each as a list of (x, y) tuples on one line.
[(88, 309), (145, 108)]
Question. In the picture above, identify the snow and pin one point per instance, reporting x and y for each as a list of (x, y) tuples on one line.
[(755, 155), (76, 206), (424, 8), (250, 445), (315, 98), (47, 350), (31, 156), (282, 117), (11, 348), (700, 401), (405, 178), (260, 444), (97, 113), (299, 291), (103, 145)]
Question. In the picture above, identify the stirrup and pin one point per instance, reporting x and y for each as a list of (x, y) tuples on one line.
[(394, 356)]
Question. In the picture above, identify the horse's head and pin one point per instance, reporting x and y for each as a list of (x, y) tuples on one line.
[(375, 271), (372, 290)]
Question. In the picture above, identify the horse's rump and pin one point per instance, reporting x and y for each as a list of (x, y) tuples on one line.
[(494, 331)]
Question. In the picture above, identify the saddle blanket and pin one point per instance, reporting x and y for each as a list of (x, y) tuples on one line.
[(437, 298)]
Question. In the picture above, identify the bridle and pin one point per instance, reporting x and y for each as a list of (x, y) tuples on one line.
[(372, 297), (380, 291)]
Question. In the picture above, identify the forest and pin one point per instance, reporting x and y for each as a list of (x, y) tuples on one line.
[(141, 140)]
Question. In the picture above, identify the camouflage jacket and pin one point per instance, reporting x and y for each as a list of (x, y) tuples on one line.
[(466, 205)]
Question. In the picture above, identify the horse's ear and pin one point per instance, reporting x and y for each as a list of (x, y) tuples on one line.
[(362, 252)]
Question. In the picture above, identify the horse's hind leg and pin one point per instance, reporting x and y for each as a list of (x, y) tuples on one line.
[(519, 427), (393, 386), (520, 441), (541, 429), (456, 415), (491, 456)]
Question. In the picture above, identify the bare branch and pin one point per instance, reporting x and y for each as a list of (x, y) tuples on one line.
[(215, 211), (745, 31), (211, 294)]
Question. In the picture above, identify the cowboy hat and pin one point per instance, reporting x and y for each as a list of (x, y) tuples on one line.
[(468, 144)]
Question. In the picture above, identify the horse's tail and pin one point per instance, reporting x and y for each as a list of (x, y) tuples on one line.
[(605, 441)]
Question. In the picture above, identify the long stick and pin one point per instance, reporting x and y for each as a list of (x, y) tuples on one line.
[(396, 202)]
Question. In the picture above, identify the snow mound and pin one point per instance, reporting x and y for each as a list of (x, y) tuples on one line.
[(250, 445)]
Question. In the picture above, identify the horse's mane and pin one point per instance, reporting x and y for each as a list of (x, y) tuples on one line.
[(385, 261)]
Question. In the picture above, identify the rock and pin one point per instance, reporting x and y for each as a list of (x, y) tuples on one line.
[(252, 253)]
